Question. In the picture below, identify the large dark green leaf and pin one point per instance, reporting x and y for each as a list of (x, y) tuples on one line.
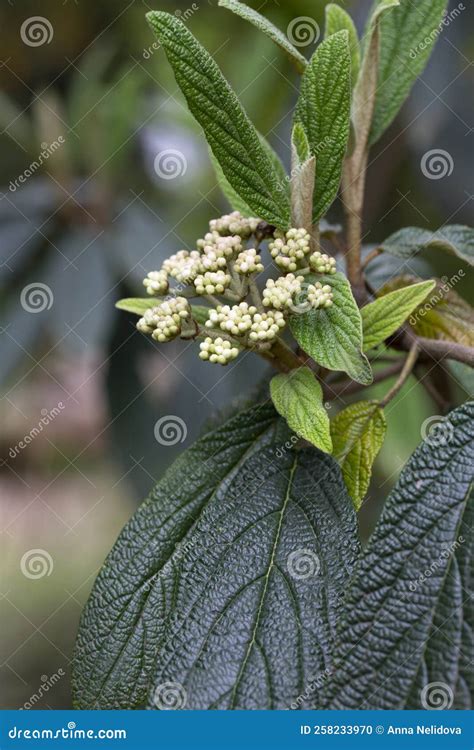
[(198, 589), (230, 134), (455, 239), (408, 617)]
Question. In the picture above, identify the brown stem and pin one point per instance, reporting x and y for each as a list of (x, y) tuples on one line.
[(370, 257), (404, 375), (348, 388), (424, 379), (438, 350)]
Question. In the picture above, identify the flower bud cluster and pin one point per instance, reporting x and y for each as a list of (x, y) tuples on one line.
[(319, 295), (266, 326), (156, 282), (236, 320), (248, 261), (280, 294), (164, 322), (212, 282), (219, 351), (290, 249), (234, 223), (183, 266), (322, 263)]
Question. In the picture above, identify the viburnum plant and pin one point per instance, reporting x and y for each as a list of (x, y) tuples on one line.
[(240, 582)]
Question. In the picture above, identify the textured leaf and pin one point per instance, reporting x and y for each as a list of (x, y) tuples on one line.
[(455, 239), (403, 627), (231, 136), (235, 201), (333, 336), (269, 29), (403, 55), (444, 315), (358, 432), (200, 313), (338, 19), (386, 314), (324, 110), (298, 397), (300, 144), (198, 589)]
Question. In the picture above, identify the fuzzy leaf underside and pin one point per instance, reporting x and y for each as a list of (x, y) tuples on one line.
[(298, 397), (381, 318), (358, 432), (444, 315), (402, 59), (455, 239), (264, 25), (230, 134), (338, 19), (388, 647), (333, 336), (197, 590), (324, 110)]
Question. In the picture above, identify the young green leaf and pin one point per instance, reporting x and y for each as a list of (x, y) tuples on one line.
[(269, 29), (445, 315), (324, 110), (137, 305), (358, 432), (303, 171), (231, 135), (407, 37), (333, 336), (300, 145), (386, 314), (240, 531), (235, 201), (455, 239), (338, 19), (298, 397), (406, 623)]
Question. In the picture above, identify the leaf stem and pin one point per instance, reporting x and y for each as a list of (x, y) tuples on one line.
[(407, 368)]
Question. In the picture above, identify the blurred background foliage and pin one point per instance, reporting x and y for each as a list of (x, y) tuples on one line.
[(93, 220)]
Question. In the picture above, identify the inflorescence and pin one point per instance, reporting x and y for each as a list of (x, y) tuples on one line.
[(225, 264)]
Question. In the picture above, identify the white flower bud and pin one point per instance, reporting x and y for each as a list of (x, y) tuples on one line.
[(289, 250), (279, 294), (183, 266), (156, 282), (236, 320), (248, 262), (266, 326), (212, 282), (322, 263), (234, 223), (164, 321), (219, 351), (319, 295)]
